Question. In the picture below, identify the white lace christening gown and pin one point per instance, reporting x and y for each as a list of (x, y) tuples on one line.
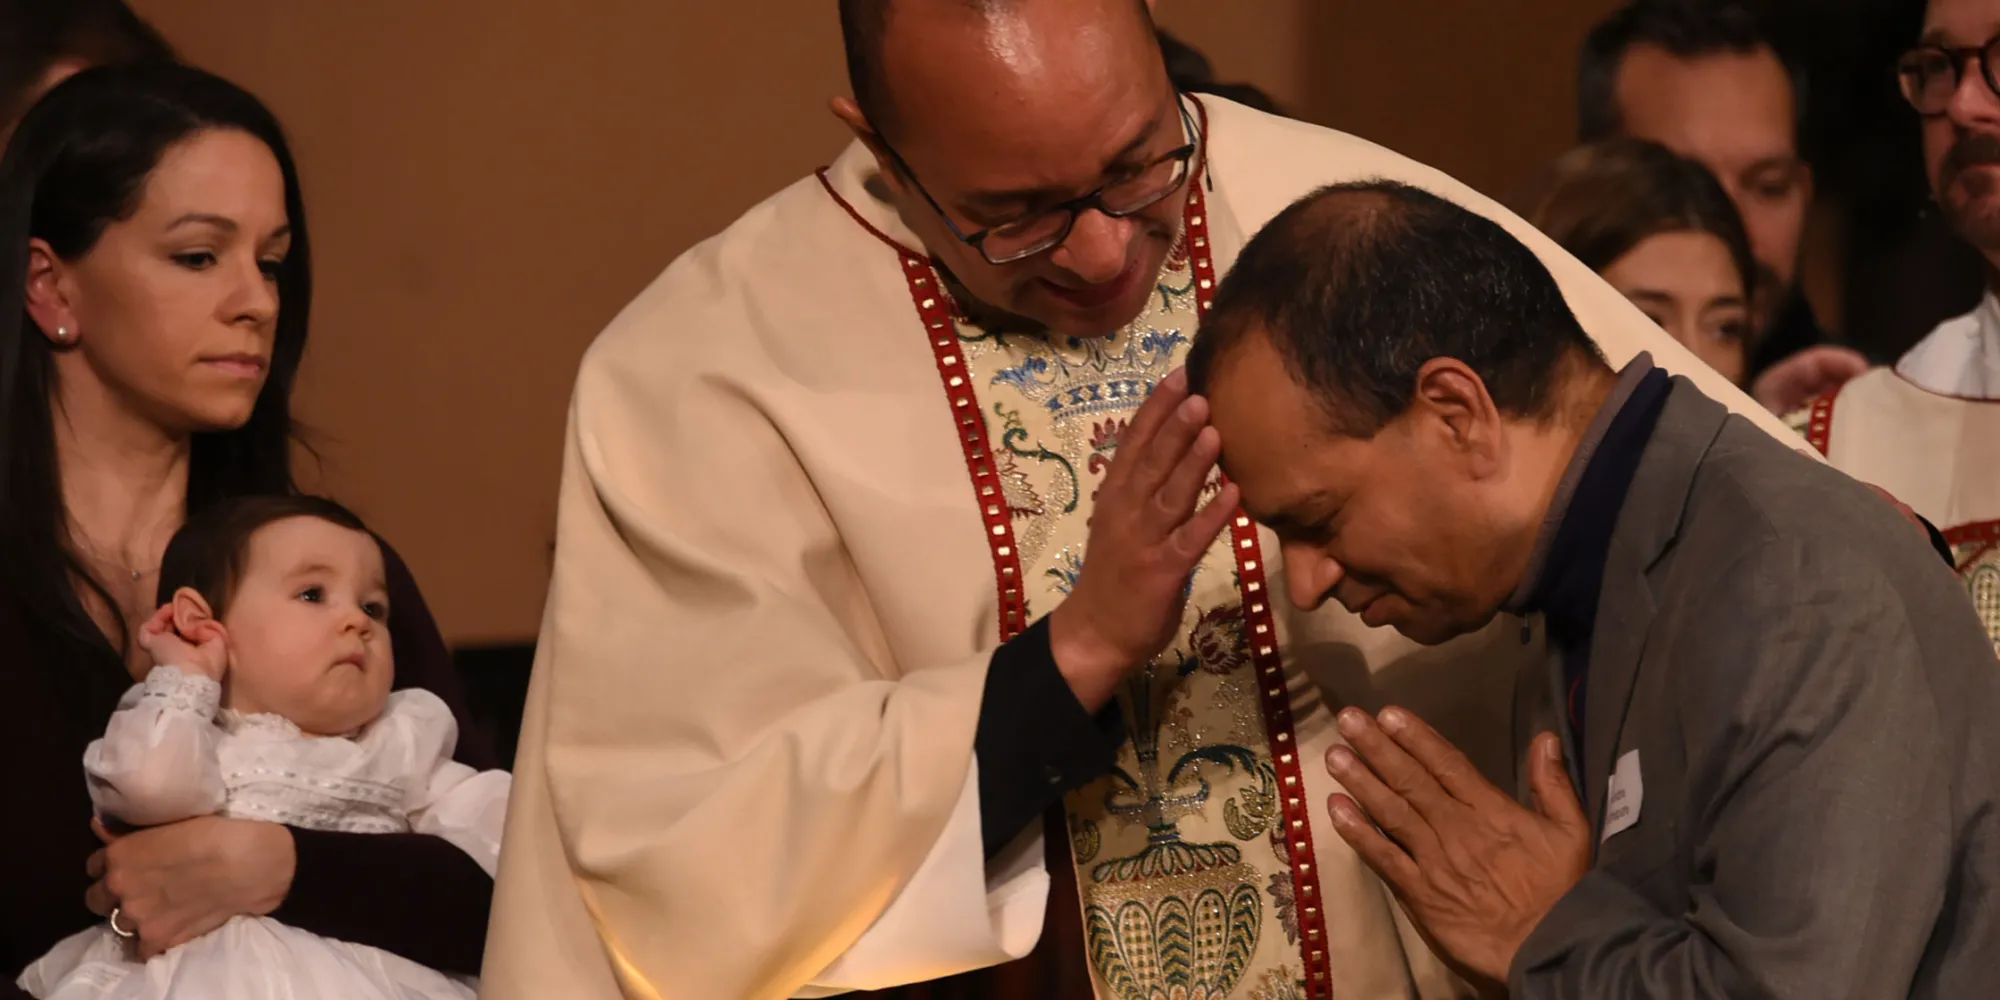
[(168, 755)]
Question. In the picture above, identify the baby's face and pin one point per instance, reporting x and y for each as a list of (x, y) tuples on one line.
[(308, 627)]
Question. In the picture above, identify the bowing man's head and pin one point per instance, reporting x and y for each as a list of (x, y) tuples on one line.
[(989, 118), (1398, 385)]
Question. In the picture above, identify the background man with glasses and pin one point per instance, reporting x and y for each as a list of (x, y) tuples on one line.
[(1929, 430), (888, 527)]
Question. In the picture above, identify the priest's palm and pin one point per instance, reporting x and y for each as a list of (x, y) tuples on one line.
[(1148, 529)]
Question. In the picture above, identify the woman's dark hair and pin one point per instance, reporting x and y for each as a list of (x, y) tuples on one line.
[(35, 35), (210, 551), (77, 164), (1601, 200)]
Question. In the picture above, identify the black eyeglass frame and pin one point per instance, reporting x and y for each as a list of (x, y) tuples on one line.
[(1073, 207), (1987, 55)]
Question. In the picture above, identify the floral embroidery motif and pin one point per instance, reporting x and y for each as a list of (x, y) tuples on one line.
[(1285, 905), (1084, 840), (1104, 443), (1218, 640), (1067, 570), (1279, 984)]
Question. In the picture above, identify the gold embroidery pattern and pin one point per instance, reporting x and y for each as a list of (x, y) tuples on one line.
[(1975, 549)]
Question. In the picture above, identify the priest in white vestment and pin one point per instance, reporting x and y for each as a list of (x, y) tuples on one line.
[(813, 661), (1928, 430)]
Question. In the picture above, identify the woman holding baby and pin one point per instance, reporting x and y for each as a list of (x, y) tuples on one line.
[(151, 327)]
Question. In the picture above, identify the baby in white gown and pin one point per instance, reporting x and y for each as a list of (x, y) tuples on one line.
[(278, 709)]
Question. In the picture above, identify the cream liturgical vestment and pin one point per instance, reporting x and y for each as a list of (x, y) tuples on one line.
[(1928, 431), (803, 502)]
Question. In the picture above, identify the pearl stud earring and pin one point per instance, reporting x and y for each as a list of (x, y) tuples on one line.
[(62, 334)]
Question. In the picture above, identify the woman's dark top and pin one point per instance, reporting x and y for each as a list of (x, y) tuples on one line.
[(415, 895)]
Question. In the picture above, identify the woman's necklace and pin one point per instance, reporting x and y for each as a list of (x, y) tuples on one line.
[(106, 562)]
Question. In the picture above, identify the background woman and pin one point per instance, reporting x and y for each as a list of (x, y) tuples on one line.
[(1663, 232)]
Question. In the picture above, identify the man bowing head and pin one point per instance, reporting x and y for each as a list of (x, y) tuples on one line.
[(1775, 724)]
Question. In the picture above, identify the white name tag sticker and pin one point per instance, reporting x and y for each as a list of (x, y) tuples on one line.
[(1621, 804)]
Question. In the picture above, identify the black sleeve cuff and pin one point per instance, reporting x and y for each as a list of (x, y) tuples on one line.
[(1035, 742), (428, 901), (1937, 542)]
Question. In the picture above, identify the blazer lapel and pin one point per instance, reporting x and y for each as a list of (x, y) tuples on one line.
[(1647, 525), (1624, 615)]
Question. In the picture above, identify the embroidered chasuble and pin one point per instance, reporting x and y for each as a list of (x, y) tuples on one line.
[(1193, 857), (1938, 453), (804, 501)]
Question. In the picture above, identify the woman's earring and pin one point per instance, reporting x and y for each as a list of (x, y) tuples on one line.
[(62, 335)]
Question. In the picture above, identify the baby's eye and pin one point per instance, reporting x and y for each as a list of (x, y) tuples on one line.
[(313, 595), (376, 610)]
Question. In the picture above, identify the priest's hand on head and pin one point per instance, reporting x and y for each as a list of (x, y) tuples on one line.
[(1476, 870), (1148, 530)]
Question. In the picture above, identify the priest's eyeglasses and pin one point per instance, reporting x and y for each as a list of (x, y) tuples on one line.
[(1128, 195), (1930, 74)]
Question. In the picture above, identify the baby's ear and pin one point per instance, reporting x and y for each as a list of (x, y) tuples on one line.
[(192, 615)]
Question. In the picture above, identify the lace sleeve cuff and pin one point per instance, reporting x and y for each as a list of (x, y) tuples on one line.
[(176, 691)]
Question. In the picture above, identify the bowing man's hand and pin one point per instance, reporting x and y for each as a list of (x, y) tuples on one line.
[(1476, 870)]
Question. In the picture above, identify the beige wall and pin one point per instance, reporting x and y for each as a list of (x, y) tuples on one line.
[(490, 180)]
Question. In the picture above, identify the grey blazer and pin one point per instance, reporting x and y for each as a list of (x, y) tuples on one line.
[(1809, 715)]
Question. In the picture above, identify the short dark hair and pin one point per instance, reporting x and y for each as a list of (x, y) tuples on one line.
[(864, 25), (1359, 285), (1601, 200), (37, 34), (210, 552), (1688, 29)]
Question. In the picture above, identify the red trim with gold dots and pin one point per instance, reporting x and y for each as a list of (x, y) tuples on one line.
[(1261, 634), (1819, 423)]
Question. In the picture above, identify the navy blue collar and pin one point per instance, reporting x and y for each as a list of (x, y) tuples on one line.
[(1567, 574)]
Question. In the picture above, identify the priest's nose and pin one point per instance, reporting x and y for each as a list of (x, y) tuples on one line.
[(1098, 247)]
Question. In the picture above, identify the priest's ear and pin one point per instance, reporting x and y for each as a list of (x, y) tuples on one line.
[(851, 115)]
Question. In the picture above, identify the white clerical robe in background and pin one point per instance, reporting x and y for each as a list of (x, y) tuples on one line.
[(1928, 431), (746, 768), (1961, 357)]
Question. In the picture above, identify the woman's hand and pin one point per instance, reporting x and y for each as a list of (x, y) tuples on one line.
[(174, 883), (205, 652)]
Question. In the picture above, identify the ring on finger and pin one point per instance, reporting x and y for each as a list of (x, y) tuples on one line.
[(120, 931)]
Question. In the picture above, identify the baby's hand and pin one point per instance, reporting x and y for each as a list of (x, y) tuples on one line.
[(205, 652)]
